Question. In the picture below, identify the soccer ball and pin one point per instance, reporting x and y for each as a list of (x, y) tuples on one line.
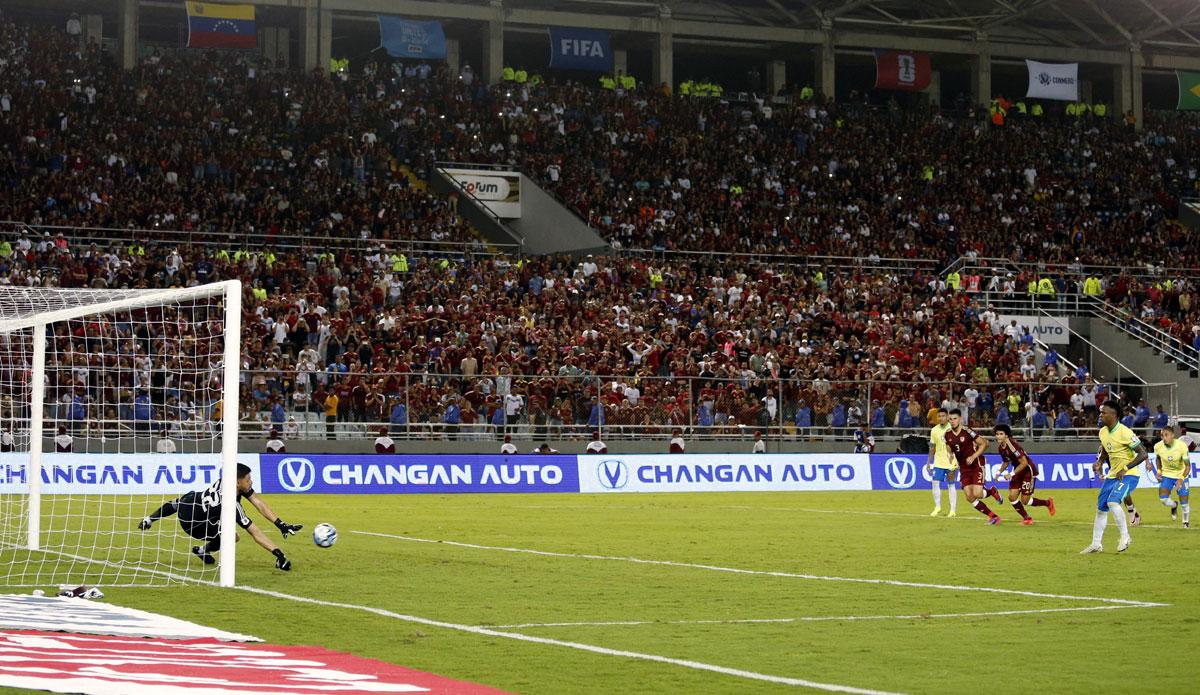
[(324, 535)]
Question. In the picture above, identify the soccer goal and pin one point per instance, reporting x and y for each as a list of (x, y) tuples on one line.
[(112, 402)]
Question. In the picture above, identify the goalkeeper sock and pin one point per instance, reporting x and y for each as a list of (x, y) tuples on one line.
[(212, 545), (166, 510)]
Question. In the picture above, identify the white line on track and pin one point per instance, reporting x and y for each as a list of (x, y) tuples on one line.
[(488, 632), (768, 573), (817, 618)]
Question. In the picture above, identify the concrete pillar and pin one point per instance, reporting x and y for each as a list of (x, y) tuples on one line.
[(776, 76), (826, 68), (493, 50), (127, 32), (93, 29), (1136, 63), (309, 37), (934, 90), (325, 40), (620, 61), (453, 55), (981, 73), (663, 60)]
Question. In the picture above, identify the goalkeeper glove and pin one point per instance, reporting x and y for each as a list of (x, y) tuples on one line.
[(287, 529), (281, 561), (144, 525)]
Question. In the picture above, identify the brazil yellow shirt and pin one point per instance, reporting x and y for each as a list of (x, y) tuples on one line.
[(1173, 461), (1121, 444), (941, 453)]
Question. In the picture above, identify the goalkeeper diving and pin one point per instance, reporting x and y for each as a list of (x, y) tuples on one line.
[(200, 517)]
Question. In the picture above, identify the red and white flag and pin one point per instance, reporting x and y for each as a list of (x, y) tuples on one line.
[(907, 71)]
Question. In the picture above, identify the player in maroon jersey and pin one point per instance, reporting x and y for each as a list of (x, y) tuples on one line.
[(1023, 479), (967, 447)]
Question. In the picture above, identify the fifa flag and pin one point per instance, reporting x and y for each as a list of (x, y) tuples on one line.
[(212, 25), (404, 38), (580, 49), (1058, 81), (907, 71), (1189, 90)]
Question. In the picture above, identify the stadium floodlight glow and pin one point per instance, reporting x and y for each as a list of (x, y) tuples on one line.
[(107, 370)]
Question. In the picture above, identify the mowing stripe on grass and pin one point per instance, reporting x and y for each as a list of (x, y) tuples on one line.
[(739, 673), (816, 618), (767, 573)]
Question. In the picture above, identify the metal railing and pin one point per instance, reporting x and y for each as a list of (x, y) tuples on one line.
[(1148, 334), (105, 237), (418, 406)]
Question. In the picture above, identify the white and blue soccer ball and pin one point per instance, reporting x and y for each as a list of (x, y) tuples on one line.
[(324, 535)]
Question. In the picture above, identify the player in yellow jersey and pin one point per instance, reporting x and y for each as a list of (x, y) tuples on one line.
[(1174, 468), (1121, 450), (942, 465)]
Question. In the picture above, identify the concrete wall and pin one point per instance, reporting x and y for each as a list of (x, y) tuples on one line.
[(549, 227), (1142, 360)]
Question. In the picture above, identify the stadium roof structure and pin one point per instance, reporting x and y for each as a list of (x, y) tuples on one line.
[(1163, 25)]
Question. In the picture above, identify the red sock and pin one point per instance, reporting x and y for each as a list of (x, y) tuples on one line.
[(983, 508), (1020, 509), (1035, 502)]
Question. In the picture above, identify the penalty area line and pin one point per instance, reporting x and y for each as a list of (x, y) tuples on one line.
[(766, 573), (488, 632), (816, 618)]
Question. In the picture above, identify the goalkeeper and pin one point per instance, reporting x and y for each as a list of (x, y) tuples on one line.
[(200, 517)]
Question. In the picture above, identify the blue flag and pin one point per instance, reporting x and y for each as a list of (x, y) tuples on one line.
[(403, 38), (580, 49)]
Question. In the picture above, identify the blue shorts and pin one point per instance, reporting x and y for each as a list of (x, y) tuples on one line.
[(1115, 490), (1168, 484), (940, 474)]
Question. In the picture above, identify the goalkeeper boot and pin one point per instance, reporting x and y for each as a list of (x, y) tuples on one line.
[(281, 561), (201, 553), (145, 523)]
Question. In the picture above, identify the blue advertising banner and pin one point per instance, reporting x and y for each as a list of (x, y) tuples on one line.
[(432, 474), (580, 49), (907, 472), (404, 38)]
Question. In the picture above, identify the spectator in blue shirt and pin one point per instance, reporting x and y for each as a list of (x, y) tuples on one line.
[(905, 419), (1161, 419), (278, 416), (1002, 416), (596, 417), (877, 417), (1039, 421), (1062, 422), (1141, 416), (837, 418), (399, 414), (452, 417), (704, 417), (1051, 358), (803, 416)]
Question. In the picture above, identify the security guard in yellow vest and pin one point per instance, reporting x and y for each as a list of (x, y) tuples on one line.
[(806, 93), (399, 263), (1032, 288), (1072, 109), (607, 82), (535, 80), (628, 82), (1045, 287), (1100, 110), (136, 249), (735, 190), (508, 74), (222, 255), (715, 90), (927, 172), (1022, 110), (1091, 286), (953, 280), (259, 293), (1036, 110), (685, 88), (269, 258), (521, 76)]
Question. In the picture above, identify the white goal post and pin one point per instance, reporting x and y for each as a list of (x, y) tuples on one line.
[(139, 392)]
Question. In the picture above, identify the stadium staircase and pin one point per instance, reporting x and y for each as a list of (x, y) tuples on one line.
[(546, 225)]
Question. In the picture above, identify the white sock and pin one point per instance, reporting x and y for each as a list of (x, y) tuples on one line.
[(953, 497), (1167, 502), (1187, 511), (1119, 516), (937, 493), (1098, 527)]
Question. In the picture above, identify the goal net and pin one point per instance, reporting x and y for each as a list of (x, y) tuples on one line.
[(113, 402)]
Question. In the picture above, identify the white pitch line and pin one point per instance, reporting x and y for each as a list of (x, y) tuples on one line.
[(815, 618), (768, 573), (912, 515), (697, 665)]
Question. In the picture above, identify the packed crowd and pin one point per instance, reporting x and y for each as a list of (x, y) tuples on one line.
[(222, 145)]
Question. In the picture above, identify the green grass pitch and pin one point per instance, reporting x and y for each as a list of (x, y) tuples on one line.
[(876, 636)]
